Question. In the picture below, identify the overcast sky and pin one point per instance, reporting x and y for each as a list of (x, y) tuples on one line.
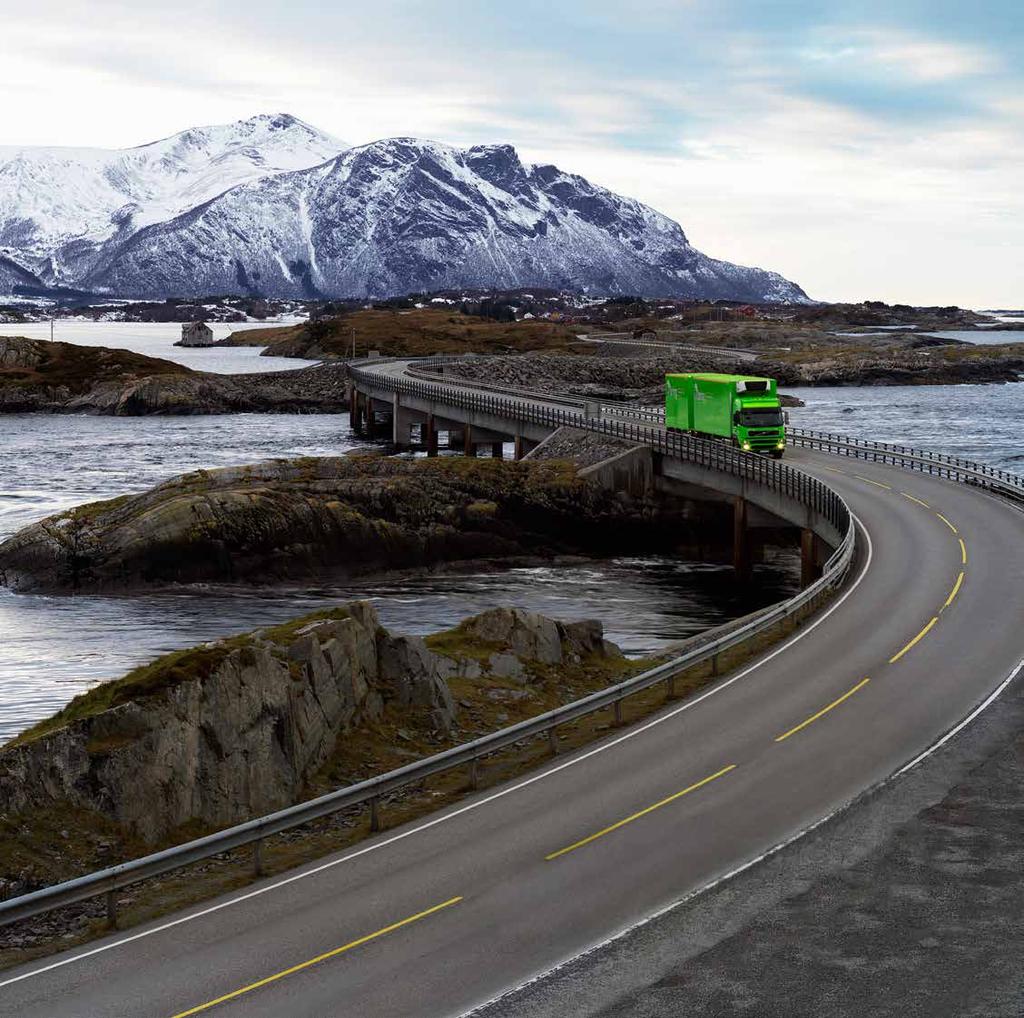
[(865, 150)]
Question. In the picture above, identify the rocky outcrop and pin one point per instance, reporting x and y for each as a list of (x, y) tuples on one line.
[(39, 376), (338, 515), (512, 644), (225, 731)]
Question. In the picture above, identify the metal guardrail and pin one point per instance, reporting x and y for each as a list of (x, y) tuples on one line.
[(937, 464), (370, 792)]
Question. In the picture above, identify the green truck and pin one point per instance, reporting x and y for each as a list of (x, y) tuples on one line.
[(742, 409)]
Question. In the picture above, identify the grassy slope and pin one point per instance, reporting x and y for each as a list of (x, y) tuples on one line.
[(81, 367), (414, 333)]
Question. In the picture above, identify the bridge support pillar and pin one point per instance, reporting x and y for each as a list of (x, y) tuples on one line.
[(740, 540), (401, 423), (523, 446), (497, 450), (430, 435), (397, 438), (353, 411), (468, 445), (810, 565)]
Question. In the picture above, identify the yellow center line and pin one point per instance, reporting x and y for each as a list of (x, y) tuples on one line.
[(954, 591), (948, 524), (636, 816), (919, 636), (914, 498), (877, 484), (823, 711), (835, 470), (319, 958), (963, 552)]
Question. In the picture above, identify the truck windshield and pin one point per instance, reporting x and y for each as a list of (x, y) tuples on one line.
[(765, 417)]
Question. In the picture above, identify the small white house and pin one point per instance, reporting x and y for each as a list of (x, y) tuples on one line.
[(195, 334)]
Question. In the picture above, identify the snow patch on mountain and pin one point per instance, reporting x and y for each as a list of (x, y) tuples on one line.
[(60, 206), (274, 207), (404, 214)]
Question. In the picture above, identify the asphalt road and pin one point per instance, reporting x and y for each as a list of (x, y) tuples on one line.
[(442, 915)]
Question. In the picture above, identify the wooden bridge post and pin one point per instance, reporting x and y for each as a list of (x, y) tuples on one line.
[(520, 451), (497, 450), (468, 445)]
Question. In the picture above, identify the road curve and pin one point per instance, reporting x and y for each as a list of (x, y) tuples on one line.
[(439, 916)]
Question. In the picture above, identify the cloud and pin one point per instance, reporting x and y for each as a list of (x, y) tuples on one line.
[(802, 136)]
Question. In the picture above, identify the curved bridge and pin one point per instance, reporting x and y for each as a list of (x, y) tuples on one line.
[(441, 915)]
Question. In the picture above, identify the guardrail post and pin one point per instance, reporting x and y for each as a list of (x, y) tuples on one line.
[(375, 814), (111, 909), (618, 712), (474, 773), (257, 858), (670, 688), (552, 742)]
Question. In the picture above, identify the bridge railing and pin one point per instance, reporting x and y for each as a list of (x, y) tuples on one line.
[(372, 791), (910, 458), (937, 464)]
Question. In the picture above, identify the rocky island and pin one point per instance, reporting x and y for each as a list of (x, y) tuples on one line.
[(38, 376), (208, 736), (287, 519)]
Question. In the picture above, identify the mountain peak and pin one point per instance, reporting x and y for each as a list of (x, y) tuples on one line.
[(270, 205)]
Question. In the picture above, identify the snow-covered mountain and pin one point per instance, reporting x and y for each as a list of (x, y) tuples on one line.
[(390, 217), (59, 207)]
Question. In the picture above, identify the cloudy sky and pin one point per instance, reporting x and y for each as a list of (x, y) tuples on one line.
[(865, 149)]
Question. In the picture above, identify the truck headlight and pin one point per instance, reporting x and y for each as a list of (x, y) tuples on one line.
[(781, 445), (746, 446)]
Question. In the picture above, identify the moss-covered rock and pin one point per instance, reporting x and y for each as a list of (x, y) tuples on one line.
[(301, 518), (211, 735)]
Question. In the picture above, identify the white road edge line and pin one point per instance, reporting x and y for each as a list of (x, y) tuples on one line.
[(934, 747), (688, 705)]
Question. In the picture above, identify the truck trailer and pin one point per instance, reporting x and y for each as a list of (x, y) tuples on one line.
[(738, 408)]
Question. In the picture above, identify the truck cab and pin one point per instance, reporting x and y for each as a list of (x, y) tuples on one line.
[(759, 424)]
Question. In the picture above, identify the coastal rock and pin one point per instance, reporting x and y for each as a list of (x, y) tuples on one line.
[(225, 731), (340, 515), (39, 376), (512, 644)]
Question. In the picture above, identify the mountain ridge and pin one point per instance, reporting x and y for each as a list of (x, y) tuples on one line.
[(392, 216)]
